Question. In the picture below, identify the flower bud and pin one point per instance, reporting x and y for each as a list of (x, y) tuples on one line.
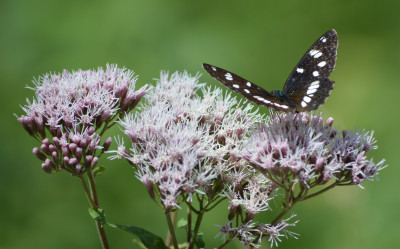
[(59, 132), (138, 96), (121, 91), (66, 160), (36, 151), (65, 151), (74, 139), (88, 139), (367, 146), (47, 167), (78, 153), (88, 160), (72, 147), (83, 144), (91, 130), (40, 126), (46, 141), (52, 147), (234, 209), (45, 149), (78, 168), (149, 185), (107, 144), (329, 122), (94, 162), (326, 176), (54, 155), (73, 161), (319, 164), (23, 120), (56, 141), (104, 115)]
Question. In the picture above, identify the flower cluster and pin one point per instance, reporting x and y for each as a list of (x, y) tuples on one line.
[(191, 142), (70, 108), (180, 141), (301, 148)]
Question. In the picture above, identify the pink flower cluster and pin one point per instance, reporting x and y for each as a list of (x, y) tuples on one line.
[(69, 110), (302, 149)]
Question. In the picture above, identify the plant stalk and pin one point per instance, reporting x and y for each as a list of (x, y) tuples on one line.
[(91, 194), (171, 235)]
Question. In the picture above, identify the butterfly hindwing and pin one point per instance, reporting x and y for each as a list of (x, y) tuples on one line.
[(246, 88)]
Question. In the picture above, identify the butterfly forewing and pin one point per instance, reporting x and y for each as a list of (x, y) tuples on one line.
[(308, 85), (246, 88)]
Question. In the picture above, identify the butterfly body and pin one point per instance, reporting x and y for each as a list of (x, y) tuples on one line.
[(306, 88)]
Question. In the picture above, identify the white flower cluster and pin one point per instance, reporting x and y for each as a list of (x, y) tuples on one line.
[(181, 141)]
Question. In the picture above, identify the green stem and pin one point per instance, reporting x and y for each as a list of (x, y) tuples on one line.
[(281, 214), (91, 194), (196, 229), (214, 205), (225, 243), (171, 235), (320, 192), (189, 225)]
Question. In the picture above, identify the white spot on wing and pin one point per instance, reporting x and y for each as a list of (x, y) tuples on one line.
[(311, 91), (315, 73), (303, 104), (323, 39), (247, 91), (236, 86), (267, 101), (306, 99), (315, 84), (262, 99), (317, 55), (248, 84), (228, 76), (300, 70), (313, 52), (213, 68), (322, 64)]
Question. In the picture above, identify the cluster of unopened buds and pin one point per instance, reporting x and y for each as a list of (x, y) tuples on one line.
[(72, 110)]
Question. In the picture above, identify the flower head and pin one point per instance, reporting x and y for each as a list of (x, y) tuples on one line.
[(181, 142), (301, 148), (70, 108)]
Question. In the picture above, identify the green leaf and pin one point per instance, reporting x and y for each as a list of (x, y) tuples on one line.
[(182, 223), (199, 241), (150, 240), (99, 170), (98, 215)]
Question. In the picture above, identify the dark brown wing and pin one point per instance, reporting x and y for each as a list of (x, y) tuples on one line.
[(246, 88), (308, 85)]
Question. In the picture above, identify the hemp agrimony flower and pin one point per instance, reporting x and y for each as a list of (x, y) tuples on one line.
[(300, 149), (186, 147), (68, 116), (72, 110), (195, 143)]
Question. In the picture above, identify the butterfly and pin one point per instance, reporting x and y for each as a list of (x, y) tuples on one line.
[(307, 86)]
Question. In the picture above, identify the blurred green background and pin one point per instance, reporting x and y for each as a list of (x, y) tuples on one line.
[(259, 40)]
